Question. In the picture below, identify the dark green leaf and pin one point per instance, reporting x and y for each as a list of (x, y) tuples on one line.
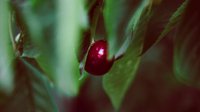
[(32, 91), (187, 46), (36, 20), (165, 17), (26, 46), (173, 20), (118, 80)]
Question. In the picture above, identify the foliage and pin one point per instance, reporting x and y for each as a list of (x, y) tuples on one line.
[(48, 40), (186, 53)]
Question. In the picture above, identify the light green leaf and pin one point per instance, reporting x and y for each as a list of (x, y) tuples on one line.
[(55, 28), (118, 80), (187, 46), (32, 89), (6, 50), (68, 34)]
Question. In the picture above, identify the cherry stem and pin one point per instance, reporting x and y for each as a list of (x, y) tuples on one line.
[(119, 57)]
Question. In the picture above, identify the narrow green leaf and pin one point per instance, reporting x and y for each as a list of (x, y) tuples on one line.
[(163, 20), (32, 89), (118, 80), (117, 15), (6, 51), (187, 46), (145, 7), (173, 20)]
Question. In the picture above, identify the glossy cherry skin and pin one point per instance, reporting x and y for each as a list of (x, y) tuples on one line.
[(97, 62)]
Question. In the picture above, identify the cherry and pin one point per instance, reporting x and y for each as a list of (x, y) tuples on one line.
[(97, 62)]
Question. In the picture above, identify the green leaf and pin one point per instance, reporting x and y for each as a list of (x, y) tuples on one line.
[(68, 34), (36, 20), (25, 46), (6, 50), (55, 28), (118, 80), (32, 89), (163, 20), (187, 46), (117, 15), (144, 8), (174, 20)]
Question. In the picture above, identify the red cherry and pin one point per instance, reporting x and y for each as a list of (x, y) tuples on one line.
[(97, 62)]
